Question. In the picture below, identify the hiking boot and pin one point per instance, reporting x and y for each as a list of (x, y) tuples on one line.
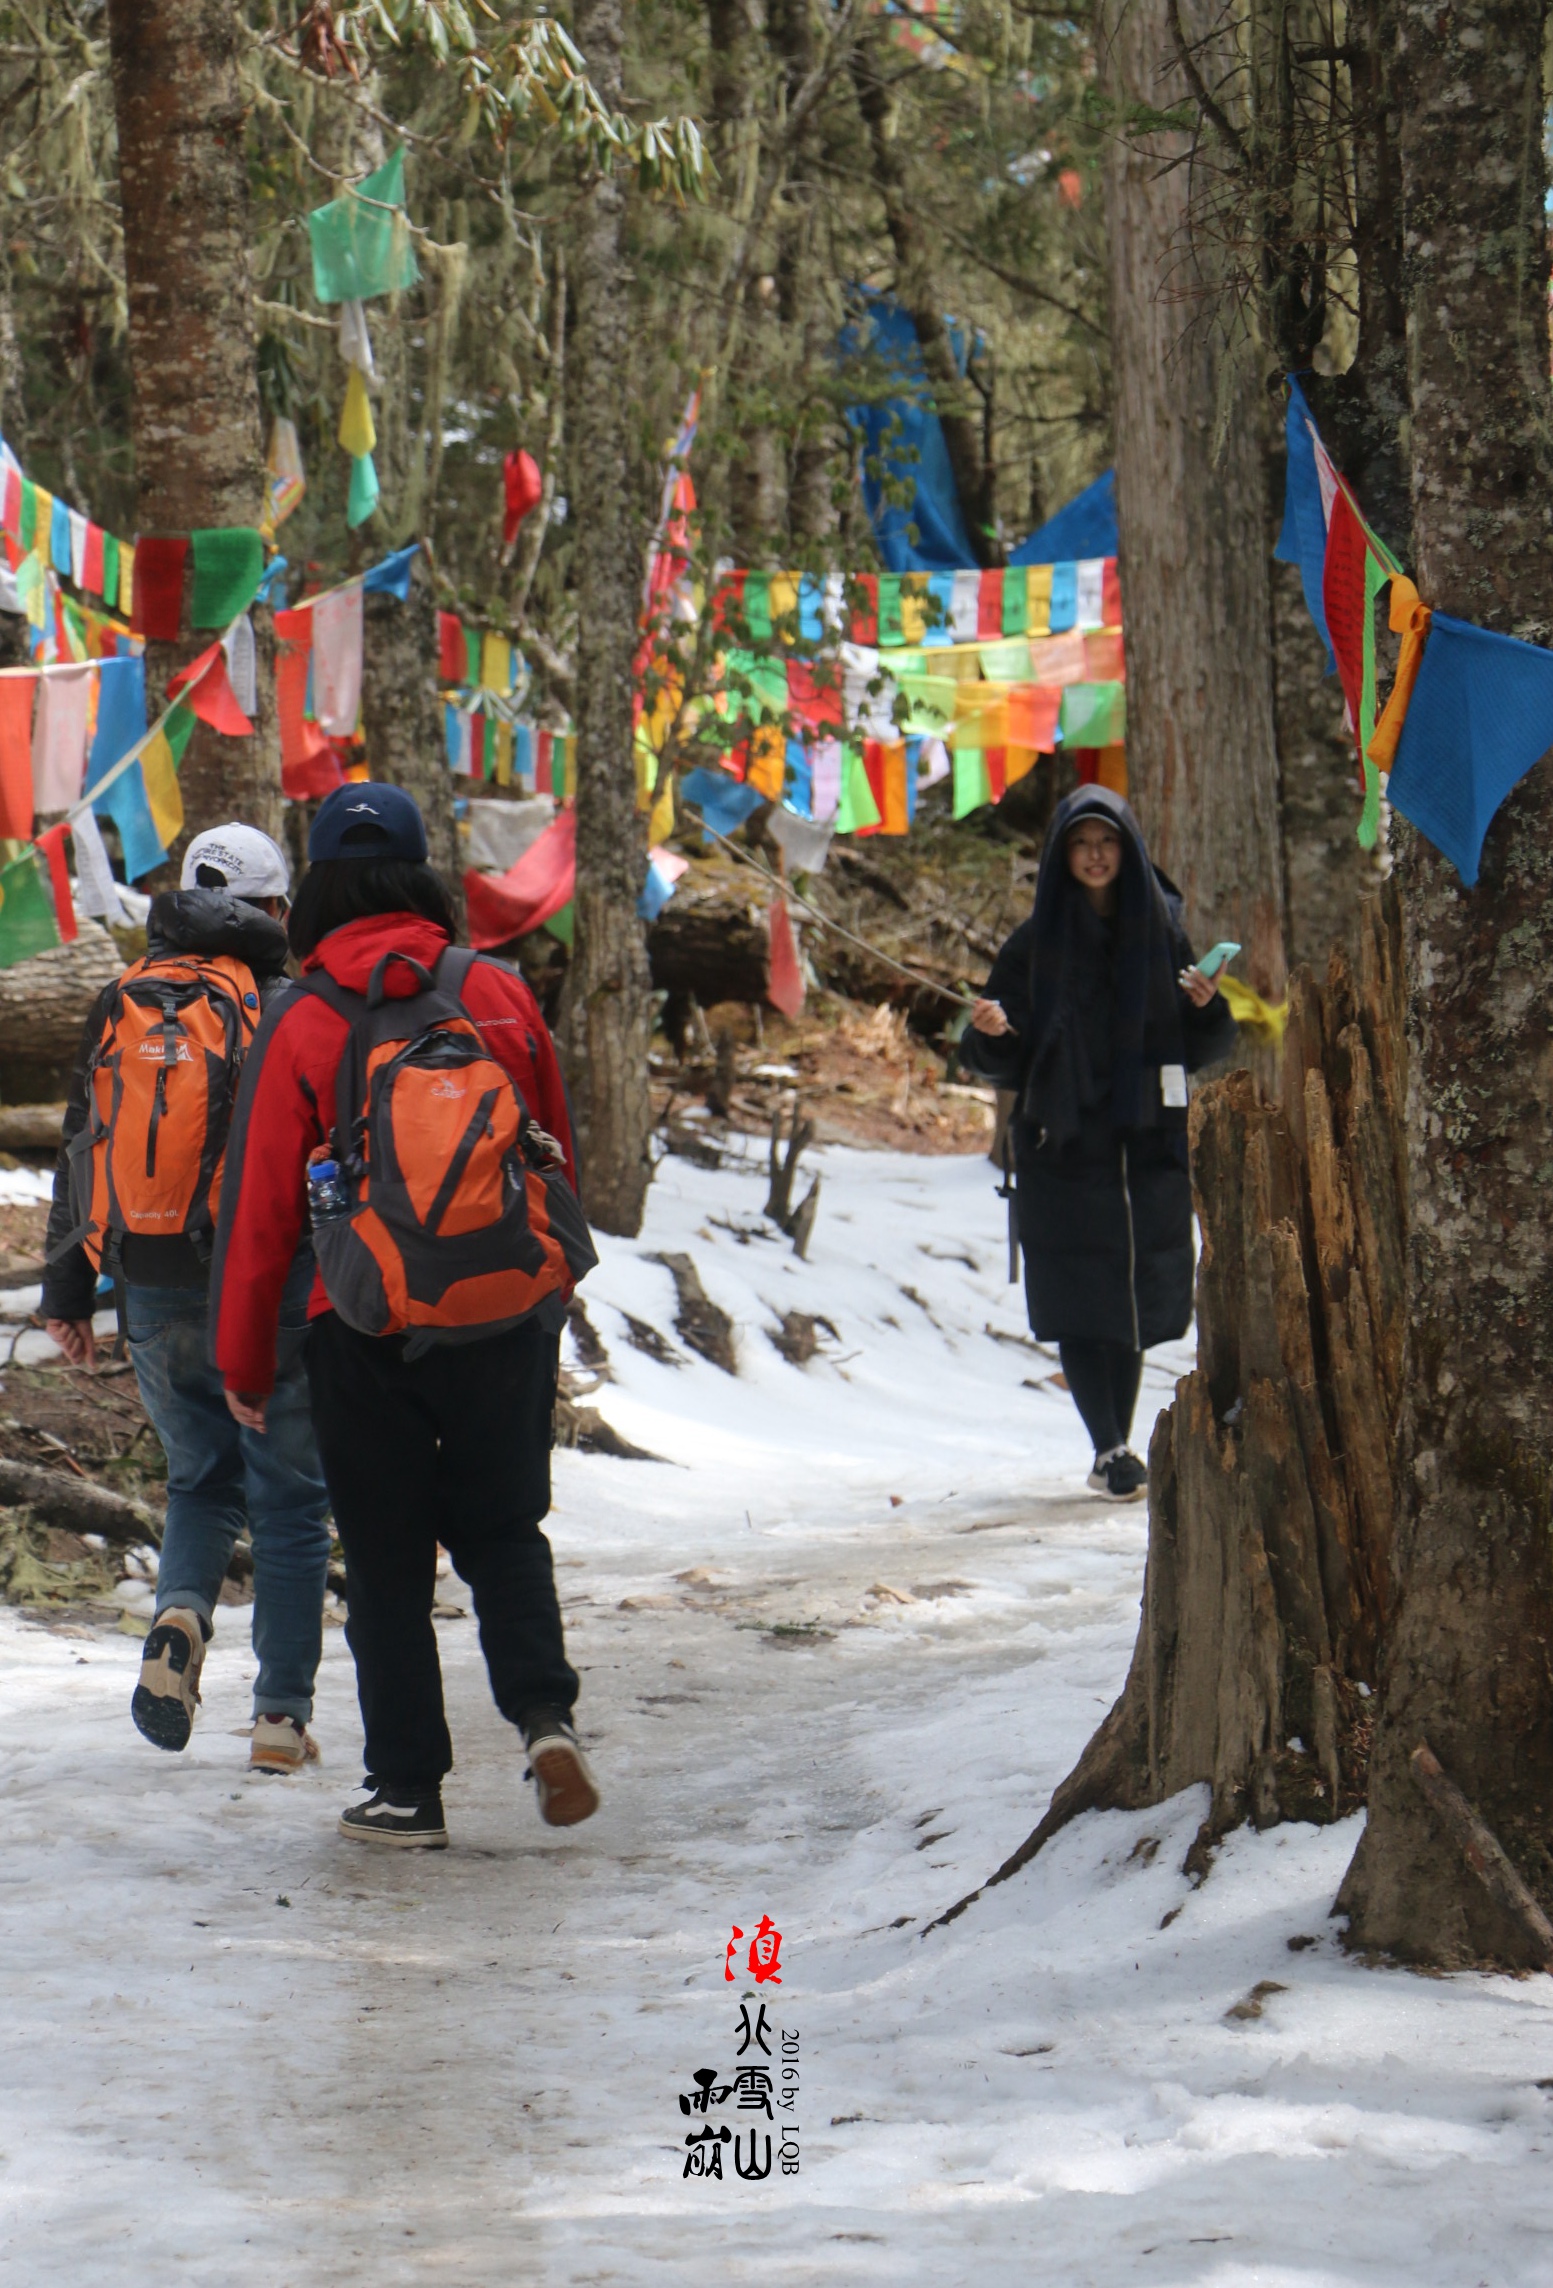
[(281, 1744), (169, 1689), (567, 1790), (1120, 1474), (416, 1825)]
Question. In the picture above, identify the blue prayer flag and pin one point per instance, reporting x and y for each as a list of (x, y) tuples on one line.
[(1064, 608), (392, 576), (59, 539), (1303, 540), (724, 802), (1481, 715), (940, 589), (121, 721)]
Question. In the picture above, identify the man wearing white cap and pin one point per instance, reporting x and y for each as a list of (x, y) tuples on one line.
[(216, 954)]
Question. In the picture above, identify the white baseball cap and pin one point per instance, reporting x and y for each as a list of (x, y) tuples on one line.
[(249, 863)]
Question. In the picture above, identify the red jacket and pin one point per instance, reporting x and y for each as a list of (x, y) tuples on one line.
[(285, 1107)]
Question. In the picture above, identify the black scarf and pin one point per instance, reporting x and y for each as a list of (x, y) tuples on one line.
[(1146, 1026)]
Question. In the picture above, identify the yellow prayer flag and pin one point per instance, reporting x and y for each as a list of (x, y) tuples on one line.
[(1021, 761), (1111, 769), (1410, 619), (784, 605), (163, 793), (495, 661), (43, 530), (914, 606), (357, 431), (894, 818), (1039, 591), (768, 760), (646, 765), (661, 824), (126, 579), (503, 753)]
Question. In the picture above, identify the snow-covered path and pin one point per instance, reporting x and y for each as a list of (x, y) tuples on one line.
[(240, 2051)]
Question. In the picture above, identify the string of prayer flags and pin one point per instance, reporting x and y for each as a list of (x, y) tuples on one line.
[(1481, 716), (337, 653), (156, 602), (228, 567), (59, 737), (28, 923), (361, 241)]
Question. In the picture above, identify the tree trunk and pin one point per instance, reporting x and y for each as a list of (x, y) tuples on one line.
[(1326, 874), (1266, 1598), (1468, 1668), (199, 457), (608, 1022), (1189, 419), (401, 712)]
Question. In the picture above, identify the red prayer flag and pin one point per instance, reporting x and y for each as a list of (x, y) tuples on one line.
[(17, 693), (1111, 594), (91, 562), (989, 607), (504, 906), (1086, 761), (1033, 710), (814, 697), (728, 596), (52, 846), (1104, 656), (452, 659), (477, 747), (864, 628), (309, 761), (210, 692), (156, 606), (996, 760), (544, 748), (784, 974), (1342, 592), (11, 504), (874, 772), (522, 486)]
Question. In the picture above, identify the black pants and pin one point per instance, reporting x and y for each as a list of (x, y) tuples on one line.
[(454, 1447), (1103, 1379)]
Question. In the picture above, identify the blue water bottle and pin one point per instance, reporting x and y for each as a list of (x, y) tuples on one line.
[(326, 1193)]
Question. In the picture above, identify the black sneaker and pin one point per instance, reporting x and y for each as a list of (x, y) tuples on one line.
[(568, 1793), (1121, 1475), (417, 1826)]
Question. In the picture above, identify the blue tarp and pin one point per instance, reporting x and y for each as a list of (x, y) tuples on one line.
[(1480, 716), (903, 443), (1086, 527)]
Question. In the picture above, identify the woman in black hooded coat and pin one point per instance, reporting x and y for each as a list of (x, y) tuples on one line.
[(1094, 1014)]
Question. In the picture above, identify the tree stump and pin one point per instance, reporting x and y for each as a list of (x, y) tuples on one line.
[(1268, 1586)]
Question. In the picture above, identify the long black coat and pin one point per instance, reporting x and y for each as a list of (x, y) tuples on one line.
[(1105, 1215)]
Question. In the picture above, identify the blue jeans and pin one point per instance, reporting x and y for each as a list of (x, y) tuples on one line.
[(220, 1476)]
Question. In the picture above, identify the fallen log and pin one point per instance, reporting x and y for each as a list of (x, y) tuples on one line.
[(43, 1006), (31, 1127), (78, 1505)]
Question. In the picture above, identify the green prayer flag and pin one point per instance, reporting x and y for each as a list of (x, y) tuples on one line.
[(1376, 575), (29, 531), (560, 925), (757, 606), (471, 653), (228, 566), (110, 571), (890, 629), (1093, 714), (27, 923), (931, 702), (1016, 601), (361, 240), (363, 496), (178, 729), (857, 806), (972, 787), (1006, 662)]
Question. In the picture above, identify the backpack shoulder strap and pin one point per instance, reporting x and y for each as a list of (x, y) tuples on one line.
[(452, 970)]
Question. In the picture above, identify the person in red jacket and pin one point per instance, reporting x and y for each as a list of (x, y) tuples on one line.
[(450, 1443)]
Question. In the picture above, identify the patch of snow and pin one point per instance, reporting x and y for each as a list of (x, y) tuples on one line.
[(837, 1648)]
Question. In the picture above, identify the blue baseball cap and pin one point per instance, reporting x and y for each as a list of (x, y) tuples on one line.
[(365, 820)]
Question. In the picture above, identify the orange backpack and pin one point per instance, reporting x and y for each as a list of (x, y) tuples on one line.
[(160, 1086), (451, 1217)]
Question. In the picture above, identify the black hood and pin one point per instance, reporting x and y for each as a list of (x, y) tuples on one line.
[(213, 921)]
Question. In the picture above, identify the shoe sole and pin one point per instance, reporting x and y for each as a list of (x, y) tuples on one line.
[(165, 1722), (430, 1839), (567, 1795), (258, 1761)]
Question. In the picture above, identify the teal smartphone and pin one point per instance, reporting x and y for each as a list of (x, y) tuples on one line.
[(1214, 959)]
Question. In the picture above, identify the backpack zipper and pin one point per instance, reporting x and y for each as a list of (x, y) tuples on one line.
[(1132, 1253)]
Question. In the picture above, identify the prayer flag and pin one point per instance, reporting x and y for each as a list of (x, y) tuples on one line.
[(783, 604), (1038, 582), (863, 624), (17, 693), (156, 605), (364, 492), (452, 654), (99, 893), (1104, 657), (937, 628), (11, 499), (228, 567), (1090, 599), (121, 721), (1409, 619), (27, 920), (283, 468), (856, 810), (391, 575), (126, 589), (757, 606), (59, 538), (337, 639), (360, 242), (1034, 711), (242, 664), (309, 766), (1016, 600), (890, 609), (914, 606), (1111, 595), (27, 524), (210, 693), (989, 608), (894, 806), (811, 609), (59, 737), (357, 432), (1481, 716), (1342, 593), (1093, 714), (496, 663), (965, 607), (972, 789), (825, 759), (1063, 610), (159, 765), (51, 848), (522, 487), (1303, 540), (77, 567), (784, 975), (93, 558)]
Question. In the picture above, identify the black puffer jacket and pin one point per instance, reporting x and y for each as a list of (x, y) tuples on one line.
[(180, 921), (1103, 1191)]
